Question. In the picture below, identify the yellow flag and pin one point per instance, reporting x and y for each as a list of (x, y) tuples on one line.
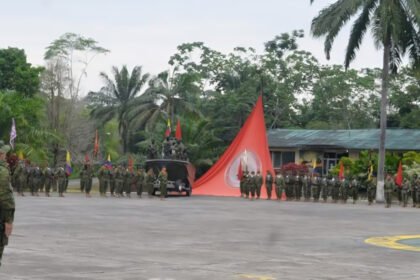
[(68, 157), (109, 158), (314, 163), (20, 155), (370, 172)]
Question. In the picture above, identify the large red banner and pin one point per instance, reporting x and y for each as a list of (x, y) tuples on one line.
[(249, 149)]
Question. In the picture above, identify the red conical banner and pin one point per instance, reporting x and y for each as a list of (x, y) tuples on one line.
[(341, 172), (249, 148)]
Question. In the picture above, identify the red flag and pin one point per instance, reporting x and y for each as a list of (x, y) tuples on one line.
[(87, 158), (96, 146), (399, 177), (130, 163), (341, 172), (178, 132), (168, 129), (240, 172)]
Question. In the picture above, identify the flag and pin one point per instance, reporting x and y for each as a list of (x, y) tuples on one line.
[(96, 145), (108, 164), (168, 129), (399, 177), (370, 172), (240, 172), (313, 164), (13, 134), (178, 132), (130, 163), (341, 172), (87, 159), (20, 155), (69, 170)]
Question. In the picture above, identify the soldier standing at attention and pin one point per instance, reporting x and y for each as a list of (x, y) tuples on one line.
[(354, 189), (315, 183), (101, 179), (324, 188), (344, 185), (417, 186), (404, 191), (241, 183), (112, 182), (140, 180), (279, 185), (129, 178), (150, 179), (88, 179), (7, 202), (49, 175), (258, 184), (246, 183), (371, 190), (269, 184), (414, 190), (20, 178), (252, 185), (298, 187), (82, 178), (119, 181), (306, 186), (61, 178), (389, 188), (289, 186), (163, 183)]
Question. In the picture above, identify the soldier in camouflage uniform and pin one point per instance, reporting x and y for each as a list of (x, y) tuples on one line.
[(335, 193), (269, 184), (306, 186), (252, 185), (129, 182), (61, 180), (163, 183), (49, 176), (82, 178), (88, 178), (316, 186), (298, 187), (245, 179), (389, 188), (119, 180), (279, 185), (140, 181), (101, 179), (20, 178), (150, 179), (417, 186), (7, 202), (371, 190), (258, 184), (405, 190), (414, 190), (289, 181), (36, 180), (354, 189), (325, 182), (344, 186)]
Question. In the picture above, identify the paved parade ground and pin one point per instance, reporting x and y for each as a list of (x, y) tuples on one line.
[(206, 238)]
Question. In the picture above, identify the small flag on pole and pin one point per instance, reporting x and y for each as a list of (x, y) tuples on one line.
[(96, 146), (178, 132), (13, 134), (341, 172), (130, 163), (168, 128), (399, 177), (69, 170), (108, 164), (370, 172)]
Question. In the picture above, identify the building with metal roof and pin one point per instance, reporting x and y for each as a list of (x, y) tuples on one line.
[(328, 146)]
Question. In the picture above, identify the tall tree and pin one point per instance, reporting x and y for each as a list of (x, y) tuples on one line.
[(395, 27), (16, 74), (116, 97)]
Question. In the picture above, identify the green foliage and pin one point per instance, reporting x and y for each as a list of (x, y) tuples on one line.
[(16, 74)]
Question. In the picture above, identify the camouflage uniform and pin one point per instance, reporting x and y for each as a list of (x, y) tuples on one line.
[(417, 186), (344, 186), (405, 191), (252, 185), (389, 187), (150, 179), (325, 184), (130, 180), (163, 183), (371, 190), (101, 179), (306, 186), (140, 180), (87, 178), (354, 190), (269, 184), (280, 186), (298, 187), (258, 184), (20, 178), (414, 190), (49, 176), (316, 188), (289, 186), (7, 202), (119, 181), (61, 180)]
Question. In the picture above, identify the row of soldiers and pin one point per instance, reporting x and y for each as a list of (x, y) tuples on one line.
[(172, 148), (36, 179), (317, 187)]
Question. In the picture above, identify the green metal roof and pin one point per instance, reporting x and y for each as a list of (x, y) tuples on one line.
[(355, 139)]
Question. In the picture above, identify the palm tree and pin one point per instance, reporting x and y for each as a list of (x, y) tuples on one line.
[(395, 27), (116, 97), (167, 96)]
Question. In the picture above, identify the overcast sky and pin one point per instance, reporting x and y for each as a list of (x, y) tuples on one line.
[(147, 32)]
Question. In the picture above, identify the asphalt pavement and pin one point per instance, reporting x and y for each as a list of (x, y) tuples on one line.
[(205, 238)]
